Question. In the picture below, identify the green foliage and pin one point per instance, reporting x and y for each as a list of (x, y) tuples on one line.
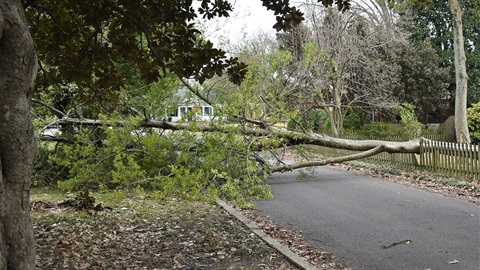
[(47, 172), (152, 99), (180, 164), (379, 130), (314, 120), (352, 121), (317, 120), (408, 128), (423, 82), (83, 200), (473, 118), (432, 21), (89, 42), (411, 128)]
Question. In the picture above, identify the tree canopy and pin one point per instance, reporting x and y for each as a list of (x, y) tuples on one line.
[(432, 21)]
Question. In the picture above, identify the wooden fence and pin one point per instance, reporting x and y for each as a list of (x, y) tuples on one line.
[(452, 159), (436, 153)]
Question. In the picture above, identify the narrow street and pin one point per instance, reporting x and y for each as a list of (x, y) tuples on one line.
[(375, 224)]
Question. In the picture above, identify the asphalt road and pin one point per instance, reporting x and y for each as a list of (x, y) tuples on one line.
[(357, 216)]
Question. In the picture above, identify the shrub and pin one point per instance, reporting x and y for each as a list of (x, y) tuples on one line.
[(380, 130), (473, 118), (408, 128), (352, 121)]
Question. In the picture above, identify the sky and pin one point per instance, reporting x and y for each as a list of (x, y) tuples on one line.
[(248, 18)]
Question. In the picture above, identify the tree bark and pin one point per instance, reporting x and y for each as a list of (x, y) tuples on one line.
[(18, 68), (461, 126), (290, 138), (323, 162)]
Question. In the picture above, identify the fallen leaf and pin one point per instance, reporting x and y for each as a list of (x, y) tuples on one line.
[(453, 262)]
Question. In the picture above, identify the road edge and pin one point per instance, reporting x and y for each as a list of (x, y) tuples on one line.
[(289, 255)]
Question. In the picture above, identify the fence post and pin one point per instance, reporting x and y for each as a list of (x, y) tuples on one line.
[(422, 153)]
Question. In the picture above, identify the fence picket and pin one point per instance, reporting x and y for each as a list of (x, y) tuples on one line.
[(442, 156), (477, 161), (450, 159), (422, 153), (469, 161)]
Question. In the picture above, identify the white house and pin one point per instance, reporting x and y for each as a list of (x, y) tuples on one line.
[(190, 112), (190, 108)]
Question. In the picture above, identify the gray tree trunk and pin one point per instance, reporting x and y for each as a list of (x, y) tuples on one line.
[(18, 68), (461, 79)]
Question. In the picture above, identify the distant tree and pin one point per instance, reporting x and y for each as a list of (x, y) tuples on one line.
[(340, 62), (423, 82), (441, 22)]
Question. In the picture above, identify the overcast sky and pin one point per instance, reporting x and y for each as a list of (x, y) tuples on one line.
[(248, 18)]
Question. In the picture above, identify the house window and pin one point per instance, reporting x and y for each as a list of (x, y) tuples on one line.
[(183, 111), (207, 111)]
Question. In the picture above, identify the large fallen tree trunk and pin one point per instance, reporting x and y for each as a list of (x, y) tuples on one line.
[(289, 138)]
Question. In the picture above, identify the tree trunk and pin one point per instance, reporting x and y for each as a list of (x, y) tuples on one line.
[(290, 138), (461, 126), (18, 68)]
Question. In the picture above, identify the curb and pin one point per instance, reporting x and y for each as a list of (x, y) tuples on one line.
[(290, 255)]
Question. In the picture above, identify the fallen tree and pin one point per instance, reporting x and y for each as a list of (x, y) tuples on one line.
[(288, 138)]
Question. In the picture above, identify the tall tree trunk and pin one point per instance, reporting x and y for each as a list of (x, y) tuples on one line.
[(18, 68), (337, 120), (461, 79)]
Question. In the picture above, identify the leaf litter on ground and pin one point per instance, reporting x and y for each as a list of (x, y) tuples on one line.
[(142, 233)]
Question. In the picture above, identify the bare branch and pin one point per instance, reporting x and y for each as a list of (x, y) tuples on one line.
[(195, 92), (313, 163), (55, 111), (48, 138)]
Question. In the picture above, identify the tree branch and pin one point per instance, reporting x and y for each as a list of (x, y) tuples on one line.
[(291, 138), (313, 163), (55, 111)]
